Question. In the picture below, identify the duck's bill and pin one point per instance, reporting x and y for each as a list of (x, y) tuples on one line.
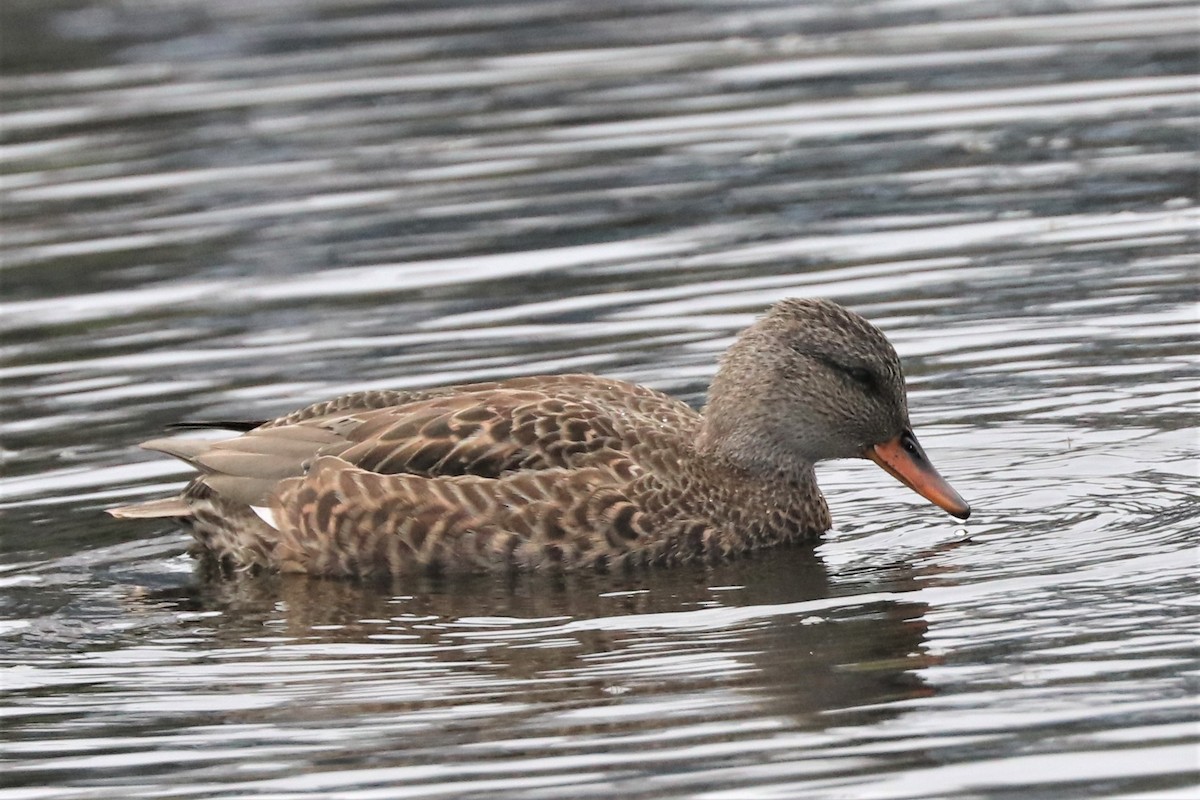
[(905, 460)]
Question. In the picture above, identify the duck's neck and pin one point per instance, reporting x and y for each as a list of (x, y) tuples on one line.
[(757, 453), (765, 495)]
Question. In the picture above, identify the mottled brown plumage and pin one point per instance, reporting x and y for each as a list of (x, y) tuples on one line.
[(563, 472)]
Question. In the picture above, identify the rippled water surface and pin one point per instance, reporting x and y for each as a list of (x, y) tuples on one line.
[(229, 209)]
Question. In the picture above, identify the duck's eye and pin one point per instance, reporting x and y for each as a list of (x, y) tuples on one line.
[(860, 375), (863, 377)]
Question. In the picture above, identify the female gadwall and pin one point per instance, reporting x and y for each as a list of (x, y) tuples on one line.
[(562, 471)]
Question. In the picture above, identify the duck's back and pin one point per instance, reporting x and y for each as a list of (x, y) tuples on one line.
[(482, 429)]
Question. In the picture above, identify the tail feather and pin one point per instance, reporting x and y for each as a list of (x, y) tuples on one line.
[(242, 470), (153, 509), (242, 425), (184, 449)]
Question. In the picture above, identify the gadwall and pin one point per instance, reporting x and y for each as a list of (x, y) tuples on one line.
[(561, 471)]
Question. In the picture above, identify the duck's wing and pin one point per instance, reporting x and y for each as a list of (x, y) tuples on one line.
[(485, 432), (647, 405), (488, 430)]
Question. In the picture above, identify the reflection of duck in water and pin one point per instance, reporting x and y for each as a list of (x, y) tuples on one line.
[(571, 471), (775, 635)]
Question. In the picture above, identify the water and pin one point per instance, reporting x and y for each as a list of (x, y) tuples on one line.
[(228, 209)]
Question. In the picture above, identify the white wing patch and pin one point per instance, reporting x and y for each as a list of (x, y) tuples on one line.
[(266, 515)]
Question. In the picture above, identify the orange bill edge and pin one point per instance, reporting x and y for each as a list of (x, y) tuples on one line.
[(903, 459)]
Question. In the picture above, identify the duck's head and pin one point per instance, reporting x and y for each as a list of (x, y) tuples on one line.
[(811, 381)]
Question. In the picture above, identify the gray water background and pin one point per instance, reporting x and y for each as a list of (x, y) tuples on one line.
[(216, 209)]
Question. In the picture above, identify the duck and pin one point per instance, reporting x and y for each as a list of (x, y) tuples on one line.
[(557, 472)]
